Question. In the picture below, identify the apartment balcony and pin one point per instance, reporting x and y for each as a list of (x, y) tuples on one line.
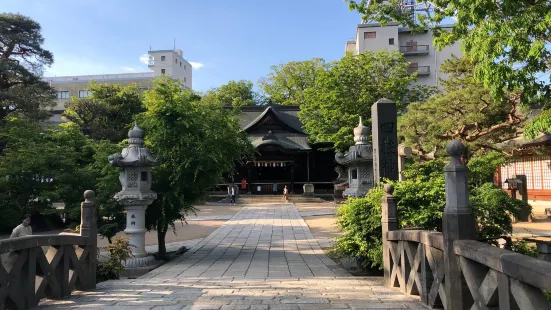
[(415, 50), (421, 70)]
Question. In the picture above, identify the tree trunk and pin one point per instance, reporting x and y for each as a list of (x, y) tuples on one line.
[(161, 236)]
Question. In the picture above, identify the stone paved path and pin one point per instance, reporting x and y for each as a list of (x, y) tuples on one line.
[(264, 257)]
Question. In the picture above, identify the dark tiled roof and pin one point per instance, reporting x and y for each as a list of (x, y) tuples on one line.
[(544, 139), (287, 114)]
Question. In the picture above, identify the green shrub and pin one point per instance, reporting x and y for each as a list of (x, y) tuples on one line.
[(421, 200), (119, 250)]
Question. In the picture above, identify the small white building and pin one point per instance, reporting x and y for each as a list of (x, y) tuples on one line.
[(417, 47)]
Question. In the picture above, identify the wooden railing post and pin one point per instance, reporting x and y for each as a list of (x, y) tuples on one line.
[(457, 224), (89, 229), (388, 223)]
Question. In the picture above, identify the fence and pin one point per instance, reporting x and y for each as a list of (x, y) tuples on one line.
[(450, 269), (49, 266)]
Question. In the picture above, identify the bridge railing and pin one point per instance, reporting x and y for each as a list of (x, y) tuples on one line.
[(450, 269), (49, 266)]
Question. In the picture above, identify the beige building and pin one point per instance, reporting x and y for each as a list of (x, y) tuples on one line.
[(162, 62), (416, 47)]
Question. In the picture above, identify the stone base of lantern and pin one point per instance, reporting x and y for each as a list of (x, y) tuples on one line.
[(308, 190), (360, 191), (138, 266)]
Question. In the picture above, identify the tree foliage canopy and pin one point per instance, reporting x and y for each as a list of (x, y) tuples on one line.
[(465, 111), (508, 41), (107, 113), (287, 83), (22, 60), (38, 168), (349, 87), (233, 93)]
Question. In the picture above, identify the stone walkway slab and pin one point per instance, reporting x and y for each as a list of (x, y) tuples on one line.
[(264, 257)]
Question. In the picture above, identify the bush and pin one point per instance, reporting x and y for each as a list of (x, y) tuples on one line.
[(360, 219), (119, 250), (421, 200)]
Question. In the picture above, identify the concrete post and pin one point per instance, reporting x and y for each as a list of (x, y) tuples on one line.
[(389, 222), (89, 229), (457, 224)]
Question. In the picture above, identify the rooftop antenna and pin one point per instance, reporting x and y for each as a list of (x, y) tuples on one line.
[(174, 43)]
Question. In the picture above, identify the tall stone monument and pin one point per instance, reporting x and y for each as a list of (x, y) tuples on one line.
[(359, 163), (385, 140), (135, 162)]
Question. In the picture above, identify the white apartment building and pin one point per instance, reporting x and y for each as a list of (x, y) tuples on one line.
[(161, 62), (416, 47)]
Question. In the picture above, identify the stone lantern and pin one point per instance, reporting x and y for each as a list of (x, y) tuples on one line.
[(359, 163), (135, 162)]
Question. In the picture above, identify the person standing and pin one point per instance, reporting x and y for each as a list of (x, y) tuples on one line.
[(244, 186), (285, 192), (232, 201), (23, 229)]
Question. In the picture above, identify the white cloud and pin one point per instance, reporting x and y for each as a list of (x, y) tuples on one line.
[(144, 59), (128, 69), (196, 65)]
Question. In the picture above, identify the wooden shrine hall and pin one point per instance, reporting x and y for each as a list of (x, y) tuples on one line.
[(284, 155)]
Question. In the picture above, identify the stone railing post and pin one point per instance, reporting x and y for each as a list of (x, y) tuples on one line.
[(89, 229), (388, 223), (457, 224)]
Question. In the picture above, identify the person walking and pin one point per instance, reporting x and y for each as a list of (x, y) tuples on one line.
[(232, 201), (285, 192), (23, 229)]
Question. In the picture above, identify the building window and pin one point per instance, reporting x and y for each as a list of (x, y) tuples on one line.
[(185, 80), (162, 71), (185, 67), (180, 63), (355, 174), (84, 93), (391, 41), (162, 58), (176, 61), (370, 35), (62, 95)]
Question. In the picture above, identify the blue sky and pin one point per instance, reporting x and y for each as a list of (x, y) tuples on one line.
[(225, 39)]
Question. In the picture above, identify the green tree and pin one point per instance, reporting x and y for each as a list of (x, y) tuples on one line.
[(22, 60), (508, 41), (233, 93), (39, 167), (196, 142), (348, 88), (107, 113), (465, 111), (287, 83)]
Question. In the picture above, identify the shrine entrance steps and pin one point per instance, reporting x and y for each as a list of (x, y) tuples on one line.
[(252, 199), (264, 257)]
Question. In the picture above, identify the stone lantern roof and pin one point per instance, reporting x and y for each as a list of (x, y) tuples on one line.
[(362, 151), (135, 154)]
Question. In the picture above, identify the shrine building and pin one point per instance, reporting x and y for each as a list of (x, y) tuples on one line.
[(284, 154)]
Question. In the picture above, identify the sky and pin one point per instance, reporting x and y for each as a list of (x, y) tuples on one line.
[(223, 39)]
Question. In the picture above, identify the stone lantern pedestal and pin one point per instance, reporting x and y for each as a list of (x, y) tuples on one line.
[(135, 162)]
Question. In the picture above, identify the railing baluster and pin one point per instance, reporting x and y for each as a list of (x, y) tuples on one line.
[(388, 223)]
